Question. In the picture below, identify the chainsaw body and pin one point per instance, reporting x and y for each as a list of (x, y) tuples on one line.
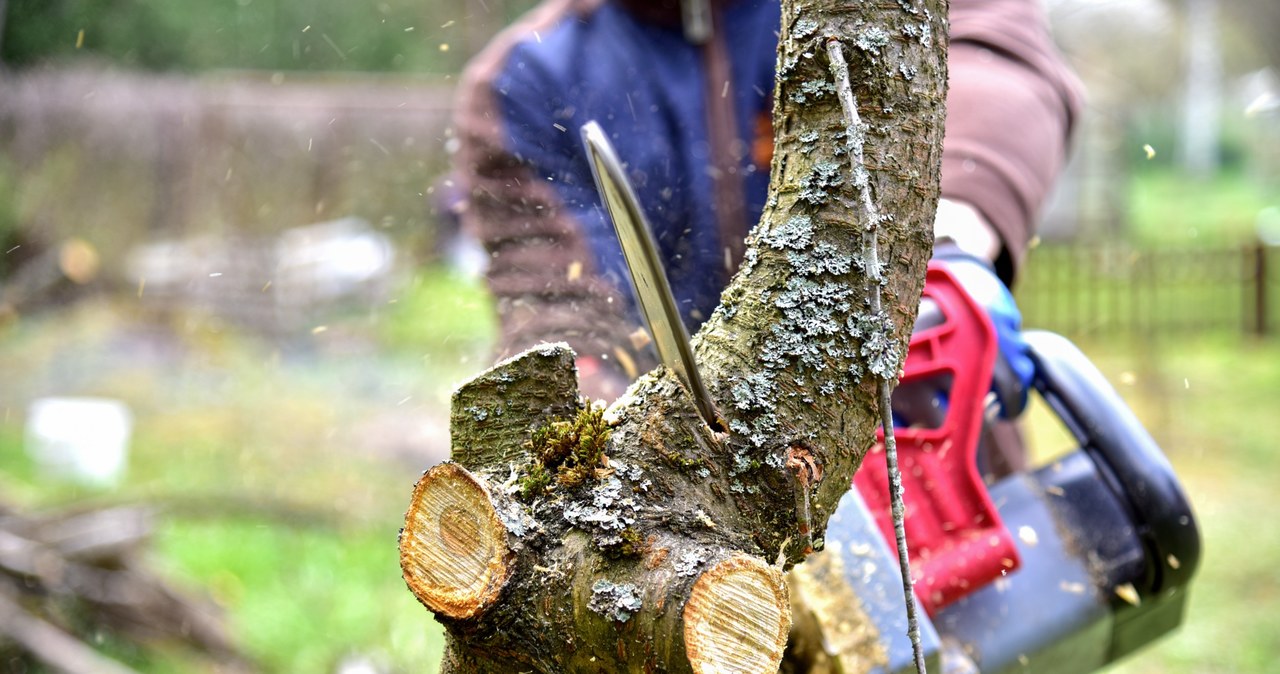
[(1060, 569)]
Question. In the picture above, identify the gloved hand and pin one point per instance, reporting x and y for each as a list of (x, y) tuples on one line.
[(1014, 368)]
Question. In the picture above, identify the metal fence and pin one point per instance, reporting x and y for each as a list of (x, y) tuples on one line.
[(1108, 290)]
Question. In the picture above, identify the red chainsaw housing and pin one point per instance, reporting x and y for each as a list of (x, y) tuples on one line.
[(957, 541)]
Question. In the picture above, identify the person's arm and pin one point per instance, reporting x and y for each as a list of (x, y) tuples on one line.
[(532, 204), (1012, 104)]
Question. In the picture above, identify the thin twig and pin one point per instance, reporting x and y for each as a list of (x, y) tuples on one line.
[(844, 90)]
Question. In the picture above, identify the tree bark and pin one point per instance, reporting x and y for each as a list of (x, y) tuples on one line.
[(643, 540)]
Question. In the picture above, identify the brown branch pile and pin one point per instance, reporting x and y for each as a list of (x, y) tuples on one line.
[(69, 579)]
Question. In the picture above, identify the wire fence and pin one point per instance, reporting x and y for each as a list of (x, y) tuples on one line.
[(1108, 290)]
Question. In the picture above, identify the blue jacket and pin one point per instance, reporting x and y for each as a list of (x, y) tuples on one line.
[(647, 87)]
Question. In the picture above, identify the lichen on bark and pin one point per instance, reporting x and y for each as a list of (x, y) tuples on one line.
[(796, 330)]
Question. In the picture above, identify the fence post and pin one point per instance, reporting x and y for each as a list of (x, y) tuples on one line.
[(4, 11), (1138, 274), (1260, 299)]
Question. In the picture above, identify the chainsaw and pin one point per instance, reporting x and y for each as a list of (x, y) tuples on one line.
[(1060, 569)]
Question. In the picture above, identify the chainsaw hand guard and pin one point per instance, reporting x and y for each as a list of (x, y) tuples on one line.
[(957, 539)]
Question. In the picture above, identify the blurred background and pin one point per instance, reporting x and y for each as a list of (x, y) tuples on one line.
[(234, 301)]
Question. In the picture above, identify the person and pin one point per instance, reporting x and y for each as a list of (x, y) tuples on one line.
[(684, 87)]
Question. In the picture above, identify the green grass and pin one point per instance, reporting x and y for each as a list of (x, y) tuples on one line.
[(440, 315), (301, 598), (1169, 209), (321, 35)]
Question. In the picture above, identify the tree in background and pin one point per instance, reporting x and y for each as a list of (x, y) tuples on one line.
[(4, 11), (1202, 84), (1261, 19), (389, 35)]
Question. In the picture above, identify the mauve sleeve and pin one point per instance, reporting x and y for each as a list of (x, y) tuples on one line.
[(1011, 106)]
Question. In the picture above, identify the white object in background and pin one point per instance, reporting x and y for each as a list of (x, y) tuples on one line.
[(1268, 225), (81, 439), (331, 260)]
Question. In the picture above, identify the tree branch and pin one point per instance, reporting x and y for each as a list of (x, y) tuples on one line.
[(840, 71), (641, 539)]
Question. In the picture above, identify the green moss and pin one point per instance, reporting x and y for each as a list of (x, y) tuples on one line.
[(629, 544), (675, 458), (536, 482), (566, 452)]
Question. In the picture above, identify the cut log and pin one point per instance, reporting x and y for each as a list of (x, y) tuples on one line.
[(494, 413), (833, 634), (453, 548), (737, 618)]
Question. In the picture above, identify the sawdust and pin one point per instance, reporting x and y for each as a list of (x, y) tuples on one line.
[(848, 638)]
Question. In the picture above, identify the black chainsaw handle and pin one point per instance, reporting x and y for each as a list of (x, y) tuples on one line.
[(1122, 448)]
